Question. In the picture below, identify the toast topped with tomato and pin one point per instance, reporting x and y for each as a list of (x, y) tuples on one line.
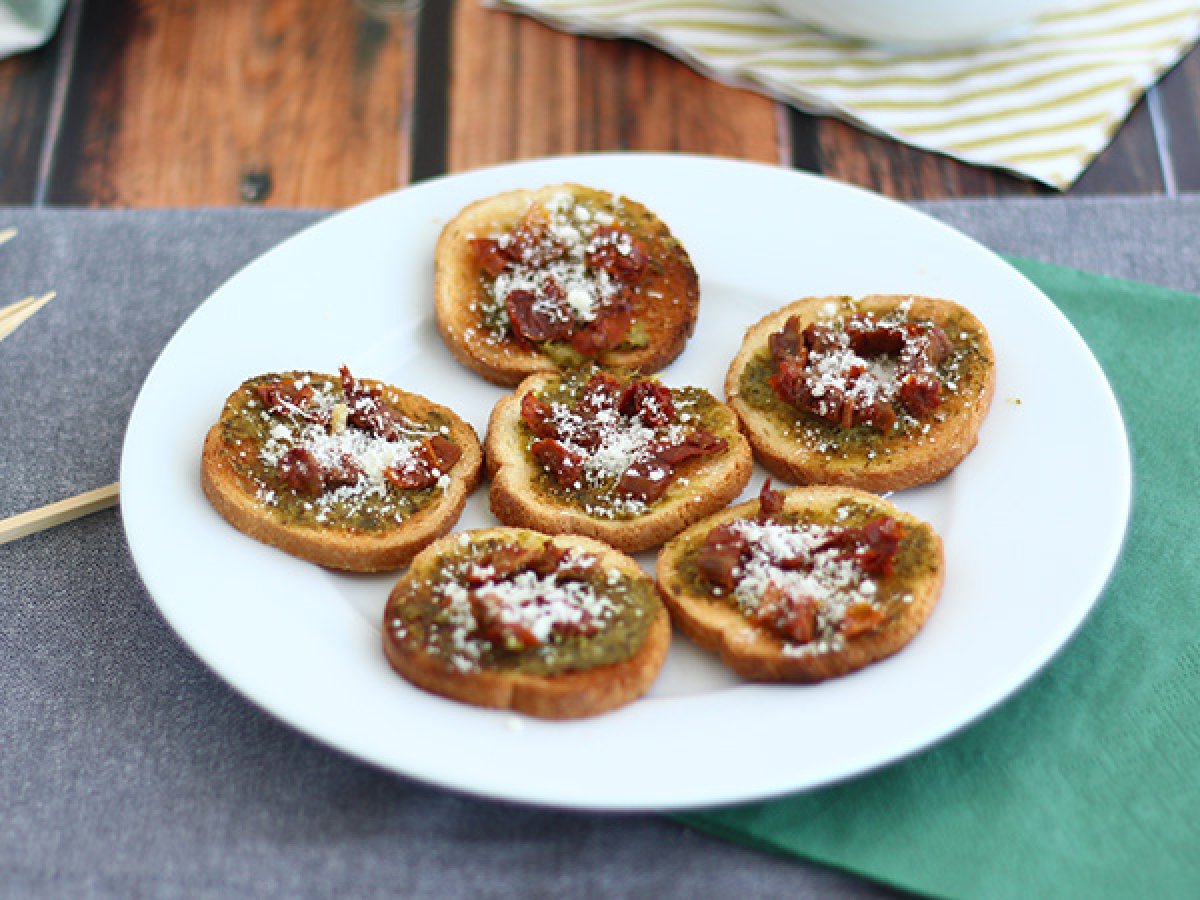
[(556, 627), (882, 393), (346, 472), (624, 459), (805, 584), (560, 277)]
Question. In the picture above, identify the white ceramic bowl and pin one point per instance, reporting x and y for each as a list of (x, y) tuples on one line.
[(917, 23)]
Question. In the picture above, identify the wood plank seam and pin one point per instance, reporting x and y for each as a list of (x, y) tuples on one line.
[(783, 134), (1162, 140), (64, 67), (429, 138)]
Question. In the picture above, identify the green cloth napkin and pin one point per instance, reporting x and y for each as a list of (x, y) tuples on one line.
[(1087, 783)]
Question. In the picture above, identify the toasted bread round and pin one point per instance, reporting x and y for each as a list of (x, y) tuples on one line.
[(801, 448), (663, 297), (525, 493), (450, 630), (849, 631), (281, 477)]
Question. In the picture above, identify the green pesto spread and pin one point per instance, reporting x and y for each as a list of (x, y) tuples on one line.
[(431, 612), (256, 440)]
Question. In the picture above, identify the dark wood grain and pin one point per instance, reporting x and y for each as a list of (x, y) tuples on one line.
[(1179, 94), (897, 170), (286, 102), (26, 93), (520, 89), (431, 102), (324, 103), (1131, 164)]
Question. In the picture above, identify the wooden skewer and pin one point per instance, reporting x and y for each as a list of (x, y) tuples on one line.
[(44, 517), (15, 314), (15, 309)]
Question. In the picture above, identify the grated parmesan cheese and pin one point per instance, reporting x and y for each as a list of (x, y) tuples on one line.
[(373, 456), (830, 581), (560, 265)]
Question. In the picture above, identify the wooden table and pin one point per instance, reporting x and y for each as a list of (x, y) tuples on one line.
[(323, 103)]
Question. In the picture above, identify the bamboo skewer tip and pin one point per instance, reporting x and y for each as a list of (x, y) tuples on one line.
[(16, 314), (52, 514)]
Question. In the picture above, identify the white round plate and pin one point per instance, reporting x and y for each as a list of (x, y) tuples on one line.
[(1032, 520)]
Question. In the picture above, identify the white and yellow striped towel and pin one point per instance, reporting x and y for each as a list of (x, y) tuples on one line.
[(1042, 104)]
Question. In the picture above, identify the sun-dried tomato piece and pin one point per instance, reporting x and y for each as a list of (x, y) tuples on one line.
[(291, 398), (720, 555), (347, 472), (927, 349), (790, 382), (602, 391), (920, 394), (618, 253), (488, 609), (355, 391), (445, 451), (646, 481), (860, 619), (871, 338), (700, 442), (505, 561), (880, 542), (538, 415), (605, 332), (650, 401), (648, 478), (412, 475), (539, 317), (301, 471), (819, 338), (794, 618), (548, 558), (365, 409), (491, 257), (788, 343), (840, 405), (564, 465), (281, 396), (770, 503), (418, 471), (429, 461)]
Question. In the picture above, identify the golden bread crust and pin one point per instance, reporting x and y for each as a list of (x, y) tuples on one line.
[(712, 484), (755, 651), (669, 318), (236, 500), (910, 460), (569, 695)]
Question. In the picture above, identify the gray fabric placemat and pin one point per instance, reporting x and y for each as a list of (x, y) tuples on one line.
[(126, 768)]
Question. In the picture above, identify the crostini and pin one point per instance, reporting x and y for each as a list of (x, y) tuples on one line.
[(556, 627), (881, 393), (345, 472), (561, 276), (625, 460), (803, 585)]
